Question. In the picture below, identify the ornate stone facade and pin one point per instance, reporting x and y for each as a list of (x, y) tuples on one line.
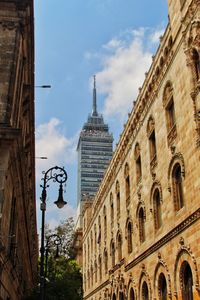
[(141, 234), (18, 233)]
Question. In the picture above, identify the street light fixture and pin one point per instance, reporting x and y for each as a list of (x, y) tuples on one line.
[(44, 86), (59, 175)]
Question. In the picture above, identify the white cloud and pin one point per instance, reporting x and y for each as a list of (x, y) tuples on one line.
[(123, 73), (125, 59), (52, 143), (58, 215), (60, 150), (155, 37), (91, 55), (113, 44)]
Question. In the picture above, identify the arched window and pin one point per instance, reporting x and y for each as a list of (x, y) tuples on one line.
[(88, 252), (118, 198), (114, 297), (113, 253), (105, 261), (111, 209), (177, 187), (91, 242), (105, 222), (121, 296), (99, 234), (119, 247), (92, 276), (145, 291), (196, 60), (138, 163), (129, 237), (131, 294), (162, 287), (95, 237), (152, 141), (84, 223), (187, 293), (157, 209), (85, 255), (95, 271), (88, 279), (85, 282), (168, 102), (100, 268), (141, 225), (127, 183)]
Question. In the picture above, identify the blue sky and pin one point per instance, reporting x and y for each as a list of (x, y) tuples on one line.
[(75, 39)]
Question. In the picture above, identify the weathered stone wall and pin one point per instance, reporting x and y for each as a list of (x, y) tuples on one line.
[(18, 242), (173, 245)]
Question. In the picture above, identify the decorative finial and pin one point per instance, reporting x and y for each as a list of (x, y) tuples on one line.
[(94, 112)]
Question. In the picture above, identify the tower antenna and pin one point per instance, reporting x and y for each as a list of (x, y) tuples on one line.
[(94, 112)]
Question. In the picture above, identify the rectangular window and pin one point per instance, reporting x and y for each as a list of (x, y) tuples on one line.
[(170, 112), (152, 143)]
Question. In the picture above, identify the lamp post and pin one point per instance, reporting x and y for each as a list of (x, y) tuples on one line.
[(56, 241), (59, 175)]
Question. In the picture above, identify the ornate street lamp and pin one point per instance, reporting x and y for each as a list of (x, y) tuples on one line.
[(59, 175), (52, 241)]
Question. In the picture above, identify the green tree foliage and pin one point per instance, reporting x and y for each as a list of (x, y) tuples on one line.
[(65, 230), (63, 275)]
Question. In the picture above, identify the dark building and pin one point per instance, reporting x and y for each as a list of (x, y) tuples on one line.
[(18, 233)]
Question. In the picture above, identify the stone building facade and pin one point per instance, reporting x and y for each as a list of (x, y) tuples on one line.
[(18, 233), (141, 235)]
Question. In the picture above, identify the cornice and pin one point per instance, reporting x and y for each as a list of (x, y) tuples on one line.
[(172, 234), (161, 62), (104, 284)]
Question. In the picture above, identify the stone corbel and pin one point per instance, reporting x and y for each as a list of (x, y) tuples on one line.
[(9, 25), (8, 135)]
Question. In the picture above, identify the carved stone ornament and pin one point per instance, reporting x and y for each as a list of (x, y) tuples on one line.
[(126, 170), (117, 187), (162, 267), (177, 157), (153, 165), (141, 204), (150, 126), (137, 151), (185, 255), (9, 25), (168, 93), (191, 35), (139, 190), (144, 276), (171, 137), (156, 185)]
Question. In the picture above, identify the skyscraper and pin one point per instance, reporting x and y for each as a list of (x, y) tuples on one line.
[(94, 154)]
